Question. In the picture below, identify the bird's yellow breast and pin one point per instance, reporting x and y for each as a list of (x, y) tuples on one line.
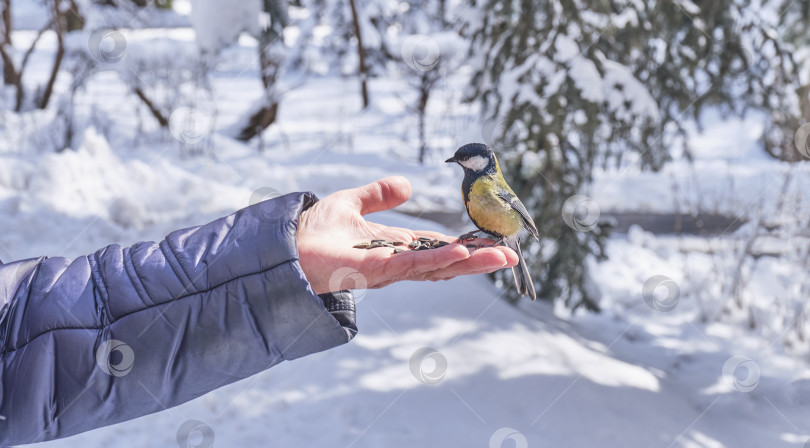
[(489, 211)]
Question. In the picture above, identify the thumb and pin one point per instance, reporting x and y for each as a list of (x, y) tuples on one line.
[(381, 195)]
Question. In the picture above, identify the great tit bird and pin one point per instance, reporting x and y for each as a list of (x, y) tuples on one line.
[(493, 206)]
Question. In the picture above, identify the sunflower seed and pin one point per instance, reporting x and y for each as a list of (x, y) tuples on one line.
[(420, 243)]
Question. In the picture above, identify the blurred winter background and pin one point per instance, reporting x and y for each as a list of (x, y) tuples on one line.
[(660, 145)]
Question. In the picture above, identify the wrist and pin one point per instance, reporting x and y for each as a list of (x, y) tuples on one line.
[(307, 258)]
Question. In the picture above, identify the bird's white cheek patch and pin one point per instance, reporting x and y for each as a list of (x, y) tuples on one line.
[(476, 163)]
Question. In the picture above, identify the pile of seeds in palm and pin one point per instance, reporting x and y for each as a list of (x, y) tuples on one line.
[(418, 244)]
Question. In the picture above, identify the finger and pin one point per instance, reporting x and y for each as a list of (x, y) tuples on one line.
[(381, 195), (511, 256), (482, 261), (412, 263)]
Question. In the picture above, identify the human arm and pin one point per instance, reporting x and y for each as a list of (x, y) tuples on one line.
[(205, 307)]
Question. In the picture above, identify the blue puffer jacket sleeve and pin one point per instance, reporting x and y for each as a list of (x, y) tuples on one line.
[(126, 332)]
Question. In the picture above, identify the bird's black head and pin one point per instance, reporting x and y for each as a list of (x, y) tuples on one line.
[(475, 157)]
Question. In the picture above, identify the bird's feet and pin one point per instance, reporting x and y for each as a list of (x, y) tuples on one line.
[(467, 236)]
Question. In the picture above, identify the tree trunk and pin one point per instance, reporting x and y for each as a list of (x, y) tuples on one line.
[(10, 77), (804, 101), (422, 142), (421, 108), (270, 65), (9, 74), (443, 12), (361, 54), (60, 54), (271, 60), (5, 14)]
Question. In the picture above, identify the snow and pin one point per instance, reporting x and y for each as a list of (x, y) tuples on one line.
[(688, 7), (586, 78), (619, 85), (217, 25), (529, 375), (625, 18)]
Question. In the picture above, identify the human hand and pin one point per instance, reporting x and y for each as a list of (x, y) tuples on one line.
[(328, 230)]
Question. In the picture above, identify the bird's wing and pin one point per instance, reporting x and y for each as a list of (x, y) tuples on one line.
[(528, 222)]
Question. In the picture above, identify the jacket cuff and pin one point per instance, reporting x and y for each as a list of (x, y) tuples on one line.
[(341, 305)]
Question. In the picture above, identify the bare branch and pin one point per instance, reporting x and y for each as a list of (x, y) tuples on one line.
[(258, 122), (159, 116)]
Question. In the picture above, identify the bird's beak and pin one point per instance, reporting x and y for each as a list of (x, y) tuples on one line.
[(450, 160)]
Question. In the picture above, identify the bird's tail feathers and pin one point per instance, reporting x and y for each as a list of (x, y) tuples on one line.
[(523, 281)]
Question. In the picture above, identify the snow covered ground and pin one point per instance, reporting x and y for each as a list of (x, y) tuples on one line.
[(527, 376), (595, 380)]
